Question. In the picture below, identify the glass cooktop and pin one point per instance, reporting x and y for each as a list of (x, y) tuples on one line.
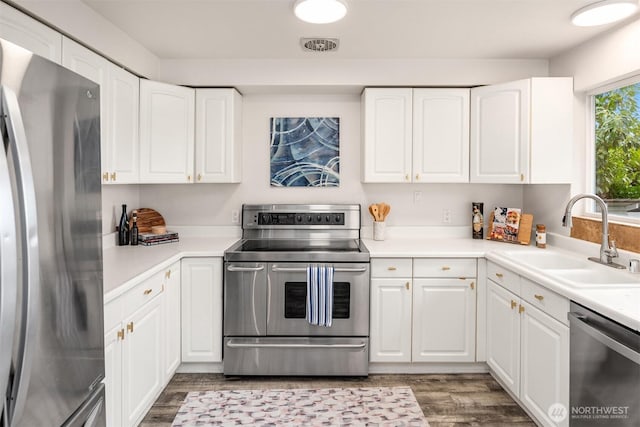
[(278, 249)]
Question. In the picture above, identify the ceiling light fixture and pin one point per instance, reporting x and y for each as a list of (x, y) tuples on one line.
[(604, 12), (320, 11)]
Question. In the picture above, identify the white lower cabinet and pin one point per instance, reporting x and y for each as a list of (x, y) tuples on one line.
[(423, 310), (142, 361), (528, 347), (202, 309), (142, 339), (390, 326), (172, 321), (444, 320)]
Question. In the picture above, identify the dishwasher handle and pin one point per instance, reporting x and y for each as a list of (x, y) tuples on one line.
[(580, 321)]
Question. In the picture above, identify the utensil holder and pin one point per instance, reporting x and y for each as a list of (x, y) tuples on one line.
[(378, 230)]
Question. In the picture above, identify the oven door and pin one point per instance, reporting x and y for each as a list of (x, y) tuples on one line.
[(287, 301), (245, 299)]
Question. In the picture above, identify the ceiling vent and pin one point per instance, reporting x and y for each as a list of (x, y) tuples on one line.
[(317, 44)]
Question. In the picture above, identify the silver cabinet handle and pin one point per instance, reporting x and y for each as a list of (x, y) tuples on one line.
[(304, 269), (579, 321), (232, 344), (8, 269), (236, 268), (29, 238)]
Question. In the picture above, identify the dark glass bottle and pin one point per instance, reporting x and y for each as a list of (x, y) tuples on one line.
[(123, 228), (134, 228)]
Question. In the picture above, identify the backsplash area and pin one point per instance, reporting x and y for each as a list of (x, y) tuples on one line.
[(626, 236)]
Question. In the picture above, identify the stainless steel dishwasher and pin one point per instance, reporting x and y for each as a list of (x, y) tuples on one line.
[(604, 372)]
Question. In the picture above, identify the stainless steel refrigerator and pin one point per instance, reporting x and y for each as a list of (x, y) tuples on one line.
[(51, 301)]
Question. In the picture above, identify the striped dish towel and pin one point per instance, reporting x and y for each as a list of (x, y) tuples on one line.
[(320, 295)]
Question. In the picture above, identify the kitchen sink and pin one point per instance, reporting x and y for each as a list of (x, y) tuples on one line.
[(593, 277), (546, 260), (571, 270)]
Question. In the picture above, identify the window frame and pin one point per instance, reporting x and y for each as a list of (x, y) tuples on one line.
[(590, 157)]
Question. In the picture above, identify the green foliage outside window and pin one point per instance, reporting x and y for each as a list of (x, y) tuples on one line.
[(618, 143)]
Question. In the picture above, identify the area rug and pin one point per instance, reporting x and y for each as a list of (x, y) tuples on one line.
[(371, 406)]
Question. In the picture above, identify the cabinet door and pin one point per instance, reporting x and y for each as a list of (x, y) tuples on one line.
[(202, 310), (143, 348), (113, 375), (545, 363), (95, 68), (171, 311), (390, 334), (441, 135), (218, 135), (30, 34), (123, 143), (387, 138), (444, 320), (500, 133), (503, 335), (166, 133)]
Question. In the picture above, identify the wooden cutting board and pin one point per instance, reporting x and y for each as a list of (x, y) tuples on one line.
[(148, 218)]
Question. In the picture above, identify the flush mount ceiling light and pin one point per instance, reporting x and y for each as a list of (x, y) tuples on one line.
[(604, 12), (320, 11)]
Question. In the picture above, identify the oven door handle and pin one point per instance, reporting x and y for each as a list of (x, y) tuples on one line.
[(275, 268), (232, 344), (236, 268), (579, 321)]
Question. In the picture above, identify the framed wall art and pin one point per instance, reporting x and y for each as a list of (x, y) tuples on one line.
[(305, 151)]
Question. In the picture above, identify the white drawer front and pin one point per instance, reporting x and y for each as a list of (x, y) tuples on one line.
[(548, 301), (144, 292), (444, 267), (113, 314), (391, 267), (506, 278)]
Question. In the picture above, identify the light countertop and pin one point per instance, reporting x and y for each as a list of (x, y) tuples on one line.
[(124, 267)]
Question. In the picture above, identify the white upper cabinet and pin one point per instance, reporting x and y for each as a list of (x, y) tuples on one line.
[(521, 132), (440, 135), (415, 135), (123, 147), (119, 110), (218, 149), (30, 34), (167, 122), (387, 135)]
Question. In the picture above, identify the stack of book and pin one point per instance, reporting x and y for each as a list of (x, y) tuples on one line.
[(149, 239)]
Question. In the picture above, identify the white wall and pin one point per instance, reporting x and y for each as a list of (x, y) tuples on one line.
[(211, 204), (113, 197), (610, 57)]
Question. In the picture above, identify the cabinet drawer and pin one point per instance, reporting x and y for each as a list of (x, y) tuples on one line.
[(391, 267), (144, 292), (444, 267), (506, 278), (548, 301)]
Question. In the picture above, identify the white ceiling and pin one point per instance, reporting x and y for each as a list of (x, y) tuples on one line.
[(251, 29)]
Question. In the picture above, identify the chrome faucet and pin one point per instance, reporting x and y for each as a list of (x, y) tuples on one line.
[(607, 253)]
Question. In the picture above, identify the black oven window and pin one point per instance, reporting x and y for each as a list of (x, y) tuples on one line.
[(295, 300)]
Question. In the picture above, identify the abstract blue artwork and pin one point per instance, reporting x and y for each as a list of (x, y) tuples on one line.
[(305, 151)]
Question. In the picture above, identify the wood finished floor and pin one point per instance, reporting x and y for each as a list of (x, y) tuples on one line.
[(454, 400)]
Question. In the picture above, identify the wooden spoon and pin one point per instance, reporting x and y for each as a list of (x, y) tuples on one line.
[(385, 210), (375, 212)]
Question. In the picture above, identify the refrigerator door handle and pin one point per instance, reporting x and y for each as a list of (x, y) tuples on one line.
[(29, 239), (8, 269)]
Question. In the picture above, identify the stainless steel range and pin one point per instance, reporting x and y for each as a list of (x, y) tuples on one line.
[(267, 330)]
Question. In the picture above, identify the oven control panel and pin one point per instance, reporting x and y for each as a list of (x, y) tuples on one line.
[(292, 218)]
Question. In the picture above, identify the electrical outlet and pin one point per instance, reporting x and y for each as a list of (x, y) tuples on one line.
[(417, 197), (235, 216), (446, 216)]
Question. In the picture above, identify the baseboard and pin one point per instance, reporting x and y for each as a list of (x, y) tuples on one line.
[(200, 367), (428, 368)]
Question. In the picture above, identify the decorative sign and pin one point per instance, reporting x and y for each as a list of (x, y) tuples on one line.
[(305, 151)]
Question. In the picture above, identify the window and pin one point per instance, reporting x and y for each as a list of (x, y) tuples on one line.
[(617, 149)]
